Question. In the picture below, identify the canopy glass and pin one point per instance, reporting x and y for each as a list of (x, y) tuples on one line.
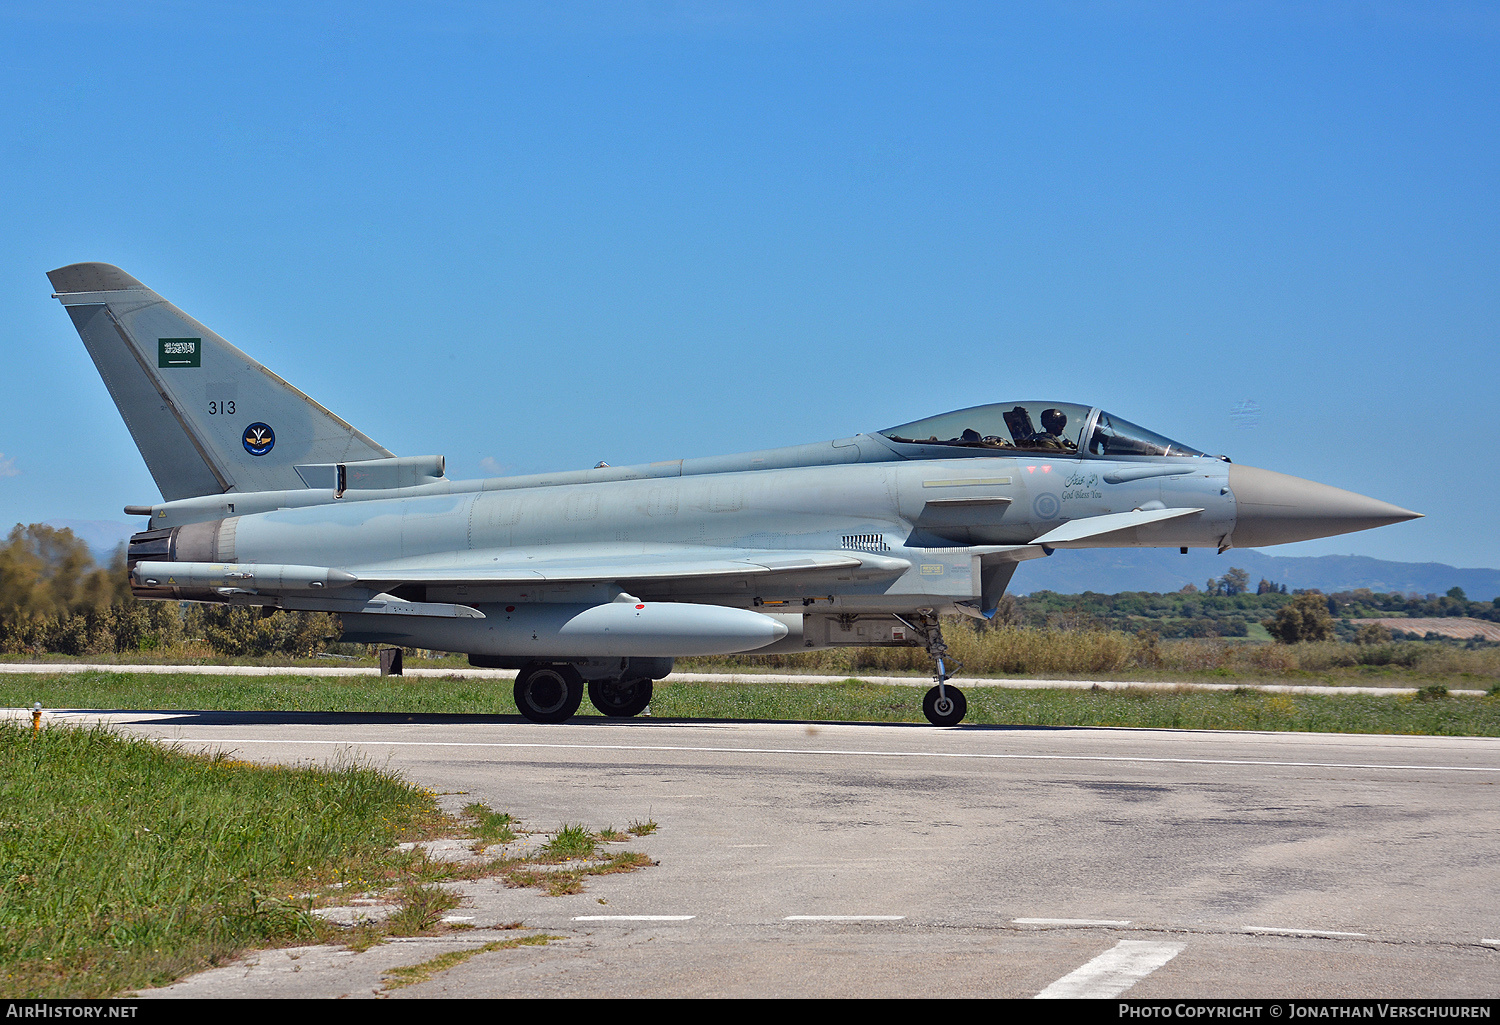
[(1059, 427)]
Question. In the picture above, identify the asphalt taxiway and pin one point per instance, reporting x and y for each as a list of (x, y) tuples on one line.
[(825, 859)]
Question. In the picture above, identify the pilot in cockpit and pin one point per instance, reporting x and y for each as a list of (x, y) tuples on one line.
[(1054, 422)]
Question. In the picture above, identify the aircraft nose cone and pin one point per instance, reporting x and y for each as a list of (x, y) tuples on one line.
[(1274, 508)]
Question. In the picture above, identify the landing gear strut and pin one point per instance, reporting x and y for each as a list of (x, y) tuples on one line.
[(620, 699), (944, 705)]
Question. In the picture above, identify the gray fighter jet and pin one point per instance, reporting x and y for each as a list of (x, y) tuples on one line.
[(601, 577)]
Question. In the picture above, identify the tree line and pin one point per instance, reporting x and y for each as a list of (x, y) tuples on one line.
[(1226, 607), (55, 598)]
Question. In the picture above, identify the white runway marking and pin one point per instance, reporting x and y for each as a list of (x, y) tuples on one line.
[(825, 752), (633, 918), (1112, 972), (1266, 930), (843, 918), (1069, 921)]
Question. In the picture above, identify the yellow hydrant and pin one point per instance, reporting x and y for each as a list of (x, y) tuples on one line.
[(36, 718)]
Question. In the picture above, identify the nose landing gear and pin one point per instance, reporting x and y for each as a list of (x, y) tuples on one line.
[(943, 705)]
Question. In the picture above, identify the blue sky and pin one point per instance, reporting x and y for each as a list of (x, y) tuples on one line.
[(535, 236)]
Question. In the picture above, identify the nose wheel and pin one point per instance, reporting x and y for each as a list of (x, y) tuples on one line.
[(944, 705)]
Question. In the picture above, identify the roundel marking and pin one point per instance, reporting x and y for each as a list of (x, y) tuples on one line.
[(259, 439), (1046, 506)]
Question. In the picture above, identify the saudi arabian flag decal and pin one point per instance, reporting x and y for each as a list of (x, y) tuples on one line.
[(179, 352)]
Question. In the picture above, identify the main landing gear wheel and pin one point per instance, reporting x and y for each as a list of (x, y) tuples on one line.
[(945, 707), (549, 693), (620, 699)]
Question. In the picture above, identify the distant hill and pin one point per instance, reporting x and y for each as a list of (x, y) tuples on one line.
[(1112, 570)]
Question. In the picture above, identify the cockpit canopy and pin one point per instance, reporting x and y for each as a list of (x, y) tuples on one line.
[(1057, 427)]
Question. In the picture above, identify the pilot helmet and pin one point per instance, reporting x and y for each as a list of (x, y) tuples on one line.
[(1054, 420)]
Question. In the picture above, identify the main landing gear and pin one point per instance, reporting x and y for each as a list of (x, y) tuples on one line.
[(548, 693), (620, 699), (552, 694), (944, 705)]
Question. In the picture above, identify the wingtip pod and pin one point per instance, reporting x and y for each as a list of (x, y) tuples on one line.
[(91, 277)]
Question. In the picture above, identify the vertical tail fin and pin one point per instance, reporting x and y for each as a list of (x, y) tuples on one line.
[(206, 417)]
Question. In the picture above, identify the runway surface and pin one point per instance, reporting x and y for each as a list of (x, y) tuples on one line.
[(800, 859)]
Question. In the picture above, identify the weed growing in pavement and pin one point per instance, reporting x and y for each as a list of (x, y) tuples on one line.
[(569, 843), (421, 908), (410, 975), (572, 845), (491, 826)]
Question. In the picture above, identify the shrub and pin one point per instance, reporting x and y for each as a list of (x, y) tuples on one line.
[(1306, 618)]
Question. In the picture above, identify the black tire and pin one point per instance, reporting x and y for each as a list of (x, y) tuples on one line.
[(549, 693), (949, 712), (620, 699)]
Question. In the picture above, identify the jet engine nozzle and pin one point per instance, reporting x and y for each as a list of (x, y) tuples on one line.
[(1275, 508)]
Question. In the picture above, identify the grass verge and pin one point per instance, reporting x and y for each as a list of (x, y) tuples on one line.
[(126, 865), (1238, 709), (1432, 711)]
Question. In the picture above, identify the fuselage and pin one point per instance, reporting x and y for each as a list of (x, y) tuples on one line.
[(932, 513)]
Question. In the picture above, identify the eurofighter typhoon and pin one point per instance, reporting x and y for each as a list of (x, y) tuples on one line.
[(597, 579)]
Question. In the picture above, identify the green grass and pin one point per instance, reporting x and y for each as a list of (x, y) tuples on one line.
[(852, 701), (571, 842), (1241, 709), (289, 693), (125, 865), (491, 826)]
